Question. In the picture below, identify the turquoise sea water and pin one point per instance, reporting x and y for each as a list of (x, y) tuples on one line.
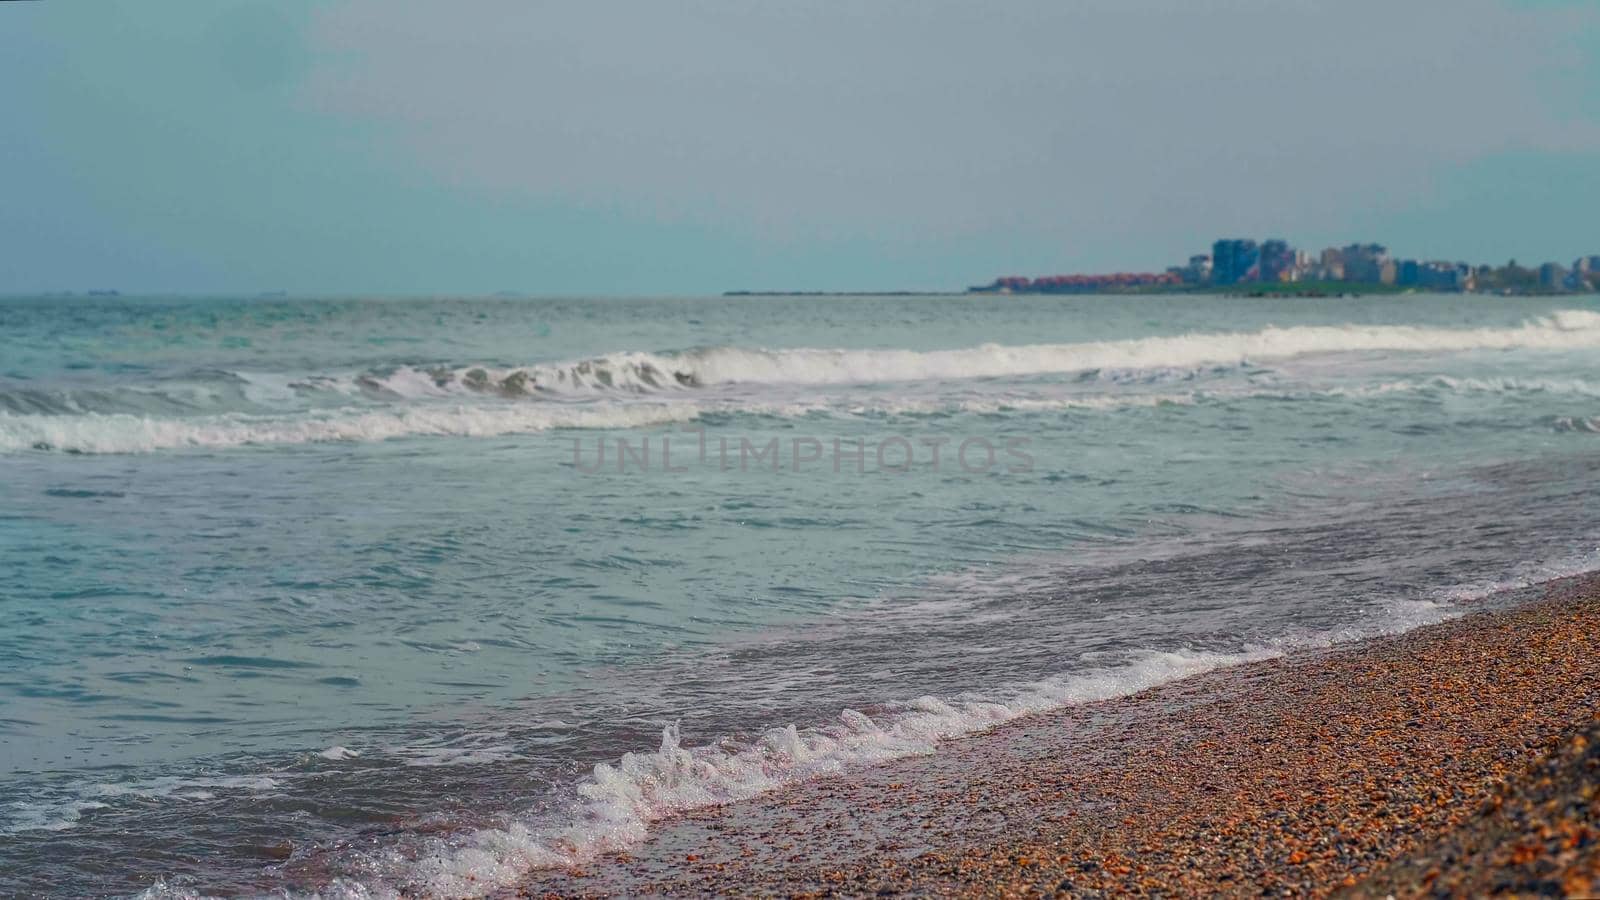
[(341, 596)]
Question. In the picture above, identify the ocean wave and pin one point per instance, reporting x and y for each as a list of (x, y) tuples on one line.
[(1589, 425), (1524, 577), (98, 433), (124, 433), (619, 802), (218, 407), (651, 372), (1183, 357), (24, 816), (62, 813), (1562, 386), (106, 433)]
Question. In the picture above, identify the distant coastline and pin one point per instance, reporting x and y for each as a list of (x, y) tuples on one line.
[(842, 293), (1241, 266), (1288, 290)]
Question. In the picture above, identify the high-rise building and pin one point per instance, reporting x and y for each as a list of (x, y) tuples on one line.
[(1552, 277), (1277, 261), (1234, 261), (1585, 274), (1332, 265), (1368, 264), (1439, 276), (1198, 271)]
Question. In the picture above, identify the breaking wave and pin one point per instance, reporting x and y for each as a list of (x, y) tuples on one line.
[(618, 802), (651, 372), (123, 433), (101, 433), (1573, 423), (217, 408)]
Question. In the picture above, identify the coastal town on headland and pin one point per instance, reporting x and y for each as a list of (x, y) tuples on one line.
[(1273, 267)]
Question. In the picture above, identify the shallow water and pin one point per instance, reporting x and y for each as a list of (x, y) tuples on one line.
[(340, 596)]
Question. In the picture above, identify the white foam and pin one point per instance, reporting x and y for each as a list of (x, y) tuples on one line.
[(425, 395), (430, 757), (63, 813), (162, 890), (23, 816), (1523, 577), (339, 753), (1577, 423), (185, 788), (621, 800), (469, 749), (1564, 386), (1177, 357), (121, 433), (1564, 330), (125, 433), (1037, 403)]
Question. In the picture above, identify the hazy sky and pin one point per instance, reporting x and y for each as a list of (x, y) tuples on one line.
[(702, 145)]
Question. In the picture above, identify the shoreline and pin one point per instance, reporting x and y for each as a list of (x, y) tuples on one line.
[(1455, 756)]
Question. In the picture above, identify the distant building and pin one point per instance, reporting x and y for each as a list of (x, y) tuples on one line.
[(1235, 261), (1197, 272), (1552, 277), (1331, 267), (1579, 278), (1368, 264), (1277, 261), (1441, 276)]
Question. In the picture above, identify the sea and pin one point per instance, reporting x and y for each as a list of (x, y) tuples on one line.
[(370, 597)]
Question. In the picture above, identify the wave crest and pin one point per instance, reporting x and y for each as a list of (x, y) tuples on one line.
[(124, 433), (637, 372), (620, 801)]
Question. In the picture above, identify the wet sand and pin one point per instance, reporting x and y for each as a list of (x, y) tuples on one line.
[(1458, 759)]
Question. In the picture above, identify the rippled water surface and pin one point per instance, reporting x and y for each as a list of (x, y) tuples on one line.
[(352, 596)]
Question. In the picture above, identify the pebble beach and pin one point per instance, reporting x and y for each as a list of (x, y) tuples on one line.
[(1459, 759)]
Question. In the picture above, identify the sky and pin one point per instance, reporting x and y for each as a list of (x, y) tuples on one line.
[(640, 147)]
